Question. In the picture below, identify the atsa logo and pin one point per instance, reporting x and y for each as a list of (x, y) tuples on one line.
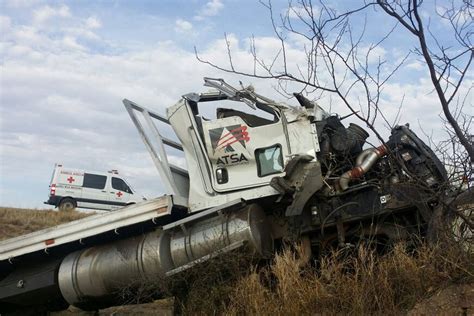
[(229, 144)]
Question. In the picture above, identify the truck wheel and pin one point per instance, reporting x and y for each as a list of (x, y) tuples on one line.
[(67, 205)]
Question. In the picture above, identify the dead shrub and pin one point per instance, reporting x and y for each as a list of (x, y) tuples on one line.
[(361, 283)]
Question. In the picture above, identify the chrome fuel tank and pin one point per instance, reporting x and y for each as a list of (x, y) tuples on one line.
[(92, 277), (248, 225), (89, 277)]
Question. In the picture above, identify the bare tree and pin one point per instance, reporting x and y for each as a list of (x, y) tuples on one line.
[(326, 51), (447, 66), (338, 63)]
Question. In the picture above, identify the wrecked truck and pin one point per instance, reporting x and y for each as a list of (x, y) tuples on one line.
[(251, 182)]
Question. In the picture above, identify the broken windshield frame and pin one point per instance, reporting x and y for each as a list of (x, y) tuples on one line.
[(227, 92)]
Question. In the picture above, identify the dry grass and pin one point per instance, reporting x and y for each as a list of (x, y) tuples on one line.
[(16, 221), (357, 281), (204, 289), (208, 288)]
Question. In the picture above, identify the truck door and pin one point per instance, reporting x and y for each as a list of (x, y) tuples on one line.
[(120, 193), (244, 150)]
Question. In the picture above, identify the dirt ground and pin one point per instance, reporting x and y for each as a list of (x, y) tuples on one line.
[(454, 300), (164, 307)]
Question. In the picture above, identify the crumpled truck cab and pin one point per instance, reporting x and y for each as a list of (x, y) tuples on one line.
[(237, 154)]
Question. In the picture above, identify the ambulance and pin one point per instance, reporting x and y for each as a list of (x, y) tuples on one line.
[(71, 188)]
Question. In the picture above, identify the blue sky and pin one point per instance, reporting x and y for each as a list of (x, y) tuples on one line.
[(66, 65)]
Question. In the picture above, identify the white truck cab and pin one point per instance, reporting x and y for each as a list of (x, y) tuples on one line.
[(71, 188)]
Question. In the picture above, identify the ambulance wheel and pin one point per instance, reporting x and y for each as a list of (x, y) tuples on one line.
[(67, 205)]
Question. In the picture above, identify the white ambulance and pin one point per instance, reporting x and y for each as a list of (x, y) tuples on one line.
[(71, 188)]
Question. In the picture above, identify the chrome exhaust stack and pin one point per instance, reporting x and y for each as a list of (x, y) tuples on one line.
[(92, 277), (364, 162)]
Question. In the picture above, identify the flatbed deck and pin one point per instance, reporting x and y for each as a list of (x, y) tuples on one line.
[(45, 239)]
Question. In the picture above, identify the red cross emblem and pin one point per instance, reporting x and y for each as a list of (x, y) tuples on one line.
[(71, 179), (119, 194)]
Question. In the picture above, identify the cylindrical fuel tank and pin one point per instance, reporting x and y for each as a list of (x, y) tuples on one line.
[(248, 225), (92, 277), (89, 278)]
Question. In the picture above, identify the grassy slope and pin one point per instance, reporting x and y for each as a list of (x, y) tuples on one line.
[(16, 221)]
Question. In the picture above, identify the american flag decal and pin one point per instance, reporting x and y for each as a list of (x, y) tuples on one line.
[(223, 138)]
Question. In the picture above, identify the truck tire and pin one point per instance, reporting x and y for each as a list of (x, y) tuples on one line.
[(67, 205)]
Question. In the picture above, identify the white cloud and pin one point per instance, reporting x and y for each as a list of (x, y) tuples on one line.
[(183, 26), (93, 23), (416, 65), (80, 32), (211, 8), (5, 23), (27, 35), (47, 12), (71, 43), (39, 42)]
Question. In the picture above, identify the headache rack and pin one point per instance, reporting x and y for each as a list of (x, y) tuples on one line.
[(175, 179)]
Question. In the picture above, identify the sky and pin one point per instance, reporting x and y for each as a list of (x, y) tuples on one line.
[(65, 67)]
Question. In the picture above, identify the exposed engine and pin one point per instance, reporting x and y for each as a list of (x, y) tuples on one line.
[(351, 193)]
